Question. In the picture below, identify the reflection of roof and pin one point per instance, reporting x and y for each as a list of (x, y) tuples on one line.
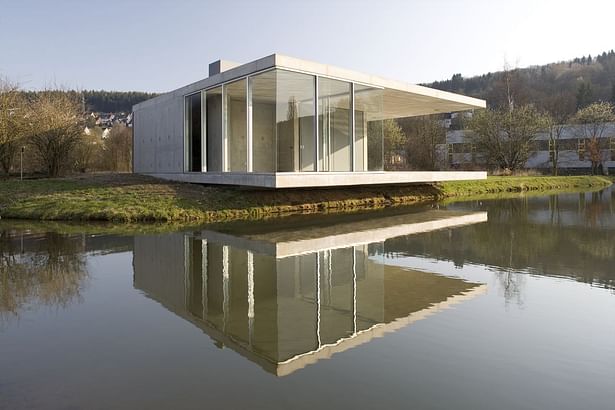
[(317, 237)]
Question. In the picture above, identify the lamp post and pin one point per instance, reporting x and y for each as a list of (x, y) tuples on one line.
[(21, 163)]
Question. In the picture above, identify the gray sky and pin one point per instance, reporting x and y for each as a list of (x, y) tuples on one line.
[(161, 45)]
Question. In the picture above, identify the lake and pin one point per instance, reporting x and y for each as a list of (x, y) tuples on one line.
[(496, 304)]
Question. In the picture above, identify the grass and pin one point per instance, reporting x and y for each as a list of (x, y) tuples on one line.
[(508, 184), (133, 198)]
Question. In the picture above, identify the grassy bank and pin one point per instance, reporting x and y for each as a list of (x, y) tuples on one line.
[(132, 198), (505, 184)]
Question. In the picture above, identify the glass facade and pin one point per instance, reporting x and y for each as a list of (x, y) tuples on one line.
[(369, 136), (334, 125), (274, 122), (235, 126), (282, 109), (213, 112)]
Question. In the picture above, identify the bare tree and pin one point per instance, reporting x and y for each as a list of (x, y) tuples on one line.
[(12, 122), (509, 89), (117, 150), (57, 126), (593, 121), (560, 108), (87, 153)]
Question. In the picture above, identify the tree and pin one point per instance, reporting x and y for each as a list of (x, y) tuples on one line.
[(12, 123), (456, 82), (593, 121), (424, 134), (57, 126), (393, 136), (391, 143), (117, 149), (87, 152), (559, 109), (556, 129), (505, 135), (508, 89), (585, 94)]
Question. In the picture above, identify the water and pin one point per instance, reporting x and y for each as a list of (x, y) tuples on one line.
[(479, 305)]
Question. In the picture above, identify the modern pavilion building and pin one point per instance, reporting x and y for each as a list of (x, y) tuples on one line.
[(282, 122)]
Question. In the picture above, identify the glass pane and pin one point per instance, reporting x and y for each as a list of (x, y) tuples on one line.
[(236, 126), (283, 122), (193, 132), (368, 128), (263, 91), (295, 121), (334, 125), (375, 147), (213, 122)]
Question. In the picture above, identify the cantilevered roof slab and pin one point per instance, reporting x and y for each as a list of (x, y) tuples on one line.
[(401, 104), (401, 99)]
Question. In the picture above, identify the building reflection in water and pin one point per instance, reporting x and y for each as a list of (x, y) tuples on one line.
[(287, 299)]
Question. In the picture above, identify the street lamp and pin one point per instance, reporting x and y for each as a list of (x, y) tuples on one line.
[(21, 163)]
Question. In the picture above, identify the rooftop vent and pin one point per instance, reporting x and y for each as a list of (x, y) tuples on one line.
[(220, 66)]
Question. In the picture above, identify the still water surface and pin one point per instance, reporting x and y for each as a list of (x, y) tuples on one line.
[(505, 304)]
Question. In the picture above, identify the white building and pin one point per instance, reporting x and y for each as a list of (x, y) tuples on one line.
[(283, 122)]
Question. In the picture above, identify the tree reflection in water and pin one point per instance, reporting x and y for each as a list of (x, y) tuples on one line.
[(565, 235), (39, 269)]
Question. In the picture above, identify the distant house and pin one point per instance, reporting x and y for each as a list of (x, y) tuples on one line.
[(281, 122)]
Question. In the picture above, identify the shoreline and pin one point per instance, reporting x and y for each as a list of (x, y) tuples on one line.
[(129, 198)]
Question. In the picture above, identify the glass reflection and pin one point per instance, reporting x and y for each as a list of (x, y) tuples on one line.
[(283, 121)]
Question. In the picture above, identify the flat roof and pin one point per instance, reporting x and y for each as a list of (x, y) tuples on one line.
[(315, 238), (400, 99)]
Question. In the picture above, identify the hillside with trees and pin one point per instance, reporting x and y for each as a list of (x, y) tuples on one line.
[(114, 101), (565, 86)]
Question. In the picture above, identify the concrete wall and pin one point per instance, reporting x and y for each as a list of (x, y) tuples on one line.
[(158, 136)]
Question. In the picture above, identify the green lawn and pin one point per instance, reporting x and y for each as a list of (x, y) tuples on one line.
[(134, 198)]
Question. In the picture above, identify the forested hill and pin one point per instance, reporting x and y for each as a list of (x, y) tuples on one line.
[(114, 101), (568, 84), (104, 101)]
